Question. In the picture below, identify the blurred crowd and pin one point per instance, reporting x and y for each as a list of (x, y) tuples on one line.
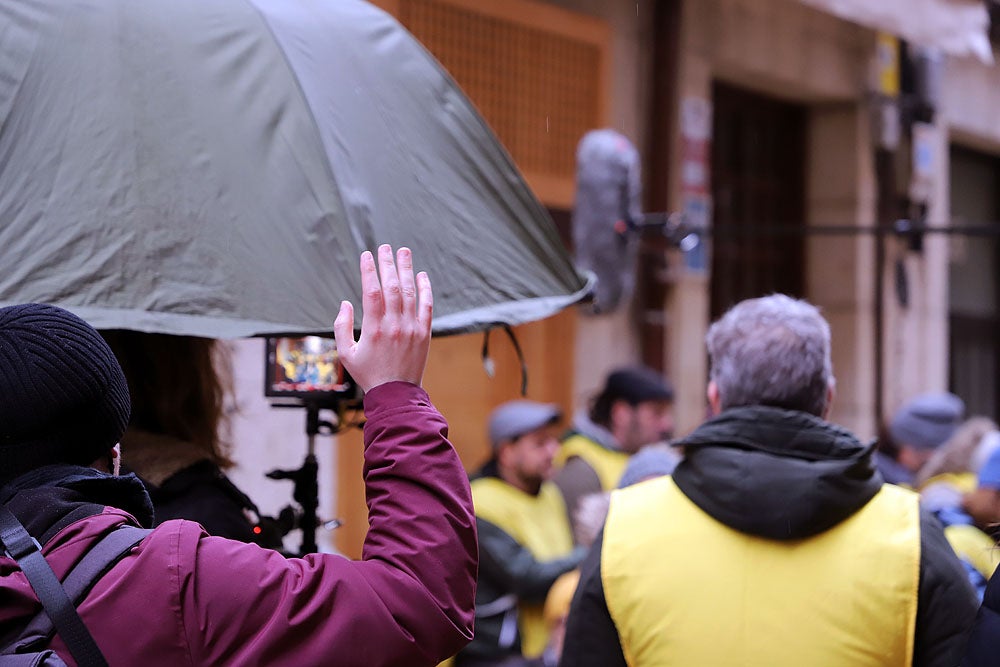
[(837, 551), (767, 536)]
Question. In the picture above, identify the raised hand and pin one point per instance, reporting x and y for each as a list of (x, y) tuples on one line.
[(395, 323)]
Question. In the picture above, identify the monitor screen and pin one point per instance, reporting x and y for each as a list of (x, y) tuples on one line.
[(306, 367)]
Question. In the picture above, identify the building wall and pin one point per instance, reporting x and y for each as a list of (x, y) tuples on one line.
[(970, 99), (917, 337), (916, 342), (799, 54), (971, 96), (840, 268)]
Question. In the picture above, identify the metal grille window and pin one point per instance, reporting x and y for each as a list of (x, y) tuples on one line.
[(758, 167), (536, 74), (974, 283)]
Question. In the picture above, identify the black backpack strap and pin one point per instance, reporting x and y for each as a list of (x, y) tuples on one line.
[(23, 548), (101, 557)]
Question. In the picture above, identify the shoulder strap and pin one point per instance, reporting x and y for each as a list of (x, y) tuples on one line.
[(81, 579), (23, 548), (59, 610)]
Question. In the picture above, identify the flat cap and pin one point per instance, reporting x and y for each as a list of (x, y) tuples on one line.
[(515, 418)]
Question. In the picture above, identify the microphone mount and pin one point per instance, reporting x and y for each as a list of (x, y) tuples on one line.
[(672, 226)]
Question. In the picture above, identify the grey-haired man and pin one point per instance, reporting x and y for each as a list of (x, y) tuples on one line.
[(775, 541)]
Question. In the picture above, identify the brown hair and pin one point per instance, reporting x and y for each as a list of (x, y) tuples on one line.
[(178, 386)]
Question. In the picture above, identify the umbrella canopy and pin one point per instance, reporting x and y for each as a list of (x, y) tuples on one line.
[(215, 167)]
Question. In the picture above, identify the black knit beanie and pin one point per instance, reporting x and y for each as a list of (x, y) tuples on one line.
[(63, 396)]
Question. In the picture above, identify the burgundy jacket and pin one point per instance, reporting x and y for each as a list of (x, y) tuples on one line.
[(184, 598)]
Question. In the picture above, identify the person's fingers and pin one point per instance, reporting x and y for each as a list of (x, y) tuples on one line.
[(371, 293), (426, 308), (343, 328), (390, 282), (407, 286)]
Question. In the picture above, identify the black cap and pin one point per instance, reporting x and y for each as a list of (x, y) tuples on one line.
[(638, 385), (633, 385), (63, 396)]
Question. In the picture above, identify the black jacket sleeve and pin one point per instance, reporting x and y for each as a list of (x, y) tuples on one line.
[(575, 480), (984, 642), (946, 607), (511, 567), (591, 636)]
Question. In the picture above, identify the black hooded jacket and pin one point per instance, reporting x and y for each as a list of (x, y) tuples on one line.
[(785, 475)]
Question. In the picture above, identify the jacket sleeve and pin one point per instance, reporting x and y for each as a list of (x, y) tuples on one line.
[(984, 642), (591, 636), (946, 605), (512, 568), (575, 480), (409, 602)]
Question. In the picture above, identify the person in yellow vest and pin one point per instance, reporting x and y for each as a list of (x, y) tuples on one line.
[(525, 543), (947, 484), (775, 542), (634, 409), (919, 428)]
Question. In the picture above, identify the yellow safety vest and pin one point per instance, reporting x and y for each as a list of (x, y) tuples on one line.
[(974, 547), (539, 524), (609, 465), (968, 542), (693, 591)]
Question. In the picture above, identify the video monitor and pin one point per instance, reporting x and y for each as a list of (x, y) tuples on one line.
[(307, 368)]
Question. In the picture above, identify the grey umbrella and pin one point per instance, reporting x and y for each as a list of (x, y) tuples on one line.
[(215, 167)]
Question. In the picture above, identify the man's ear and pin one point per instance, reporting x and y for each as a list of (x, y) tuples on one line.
[(830, 394), (714, 401)]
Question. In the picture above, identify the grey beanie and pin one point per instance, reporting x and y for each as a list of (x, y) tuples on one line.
[(63, 396), (515, 418), (928, 420)]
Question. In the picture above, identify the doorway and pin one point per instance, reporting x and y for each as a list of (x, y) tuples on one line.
[(758, 181), (974, 283)]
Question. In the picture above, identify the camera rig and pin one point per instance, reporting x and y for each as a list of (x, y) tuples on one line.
[(304, 372)]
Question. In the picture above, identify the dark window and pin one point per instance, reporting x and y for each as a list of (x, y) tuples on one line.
[(758, 193), (974, 283)]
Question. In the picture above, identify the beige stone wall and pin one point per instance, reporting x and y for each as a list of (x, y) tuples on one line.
[(783, 48), (840, 268), (916, 343), (970, 101)]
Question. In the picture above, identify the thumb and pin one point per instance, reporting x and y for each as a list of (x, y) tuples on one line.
[(343, 328)]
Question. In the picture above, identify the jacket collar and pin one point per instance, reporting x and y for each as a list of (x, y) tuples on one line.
[(48, 499), (774, 473)]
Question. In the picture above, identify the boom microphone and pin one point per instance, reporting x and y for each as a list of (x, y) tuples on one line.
[(607, 208), (608, 220)]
